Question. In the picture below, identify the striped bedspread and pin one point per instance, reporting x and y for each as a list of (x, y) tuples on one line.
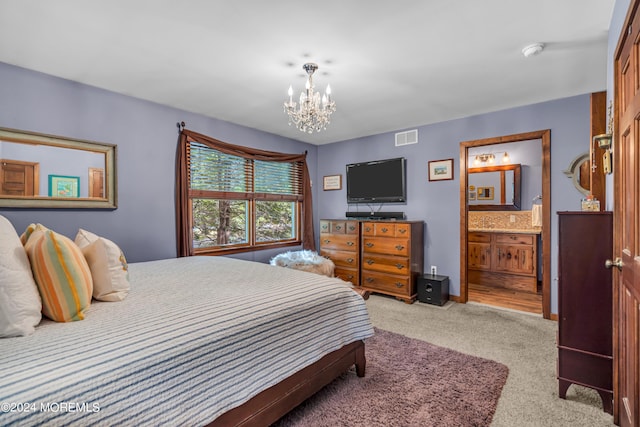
[(195, 337)]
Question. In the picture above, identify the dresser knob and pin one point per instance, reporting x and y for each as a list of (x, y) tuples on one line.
[(369, 244), (385, 229), (367, 229), (399, 247), (400, 266), (350, 243), (351, 228), (402, 231), (370, 261), (399, 285), (369, 280), (338, 227), (327, 240)]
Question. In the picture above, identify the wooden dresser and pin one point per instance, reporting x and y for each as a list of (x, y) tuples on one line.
[(585, 303), (378, 256), (340, 242)]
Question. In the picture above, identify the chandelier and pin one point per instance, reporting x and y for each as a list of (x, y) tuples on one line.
[(314, 112)]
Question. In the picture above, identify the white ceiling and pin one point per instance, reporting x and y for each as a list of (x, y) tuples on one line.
[(392, 65)]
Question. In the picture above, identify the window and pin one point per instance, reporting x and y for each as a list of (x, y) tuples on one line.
[(238, 203)]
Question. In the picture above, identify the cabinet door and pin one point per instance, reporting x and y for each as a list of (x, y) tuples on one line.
[(518, 259), (479, 256)]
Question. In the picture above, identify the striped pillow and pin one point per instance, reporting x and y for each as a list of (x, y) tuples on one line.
[(62, 275)]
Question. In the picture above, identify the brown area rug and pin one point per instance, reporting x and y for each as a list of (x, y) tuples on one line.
[(408, 382)]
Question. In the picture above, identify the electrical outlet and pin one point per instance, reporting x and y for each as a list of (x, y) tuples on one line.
[(434, 270), (512, 218)]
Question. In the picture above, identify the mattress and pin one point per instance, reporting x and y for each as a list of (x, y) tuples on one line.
[(196, 337)]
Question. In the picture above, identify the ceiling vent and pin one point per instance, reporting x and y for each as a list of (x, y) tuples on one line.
[(406, 138)]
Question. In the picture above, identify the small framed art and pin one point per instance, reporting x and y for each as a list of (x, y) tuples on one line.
[(332, 182), (485, 193), (440, 170), (64, 186)]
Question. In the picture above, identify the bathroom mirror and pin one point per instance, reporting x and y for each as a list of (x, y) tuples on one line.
[(45, 171), (578, 172), (495, 188)]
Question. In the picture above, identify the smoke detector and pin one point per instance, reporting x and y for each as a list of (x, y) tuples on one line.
[(532, 49)]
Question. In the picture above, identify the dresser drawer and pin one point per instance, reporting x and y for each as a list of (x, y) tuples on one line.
[(368, 229), (348, 275), (342, 258), (386, 264), (386, 283), (516, 239), (386, 246), (403, 230), (345, 242)]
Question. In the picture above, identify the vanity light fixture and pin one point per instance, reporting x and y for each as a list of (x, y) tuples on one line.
[(489, 159), (484, 158)]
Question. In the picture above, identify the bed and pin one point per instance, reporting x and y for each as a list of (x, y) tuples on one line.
[(198, 341)]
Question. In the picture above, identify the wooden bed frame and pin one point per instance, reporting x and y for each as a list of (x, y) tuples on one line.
[(271, 404)]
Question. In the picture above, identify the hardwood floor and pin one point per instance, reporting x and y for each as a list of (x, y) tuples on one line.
[(506, 298)]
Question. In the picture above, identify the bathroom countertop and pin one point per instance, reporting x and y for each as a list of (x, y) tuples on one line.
[(506, 230)]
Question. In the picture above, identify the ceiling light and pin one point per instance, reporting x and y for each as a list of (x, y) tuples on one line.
[(314, 112), (532, 49)]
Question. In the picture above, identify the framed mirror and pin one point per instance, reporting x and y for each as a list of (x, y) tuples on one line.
[(495, 188), (579, 173), (46, 171)]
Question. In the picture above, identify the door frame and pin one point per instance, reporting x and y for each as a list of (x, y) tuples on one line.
[(545, 137)]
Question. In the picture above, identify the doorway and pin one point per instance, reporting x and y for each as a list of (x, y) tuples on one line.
[(543, 137)]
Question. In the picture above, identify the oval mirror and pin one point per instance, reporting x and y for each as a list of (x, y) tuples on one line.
[(45, 171), (578, 171)]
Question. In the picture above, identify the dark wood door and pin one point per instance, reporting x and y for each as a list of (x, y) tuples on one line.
[(18, 178), (627, 221)]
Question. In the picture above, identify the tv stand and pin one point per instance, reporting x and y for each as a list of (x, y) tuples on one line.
[(375, 215)]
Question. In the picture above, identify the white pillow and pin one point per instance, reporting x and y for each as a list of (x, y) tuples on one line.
[(20, 303), (107, 264)]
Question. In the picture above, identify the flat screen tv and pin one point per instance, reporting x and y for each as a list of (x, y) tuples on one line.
[(380, 181)]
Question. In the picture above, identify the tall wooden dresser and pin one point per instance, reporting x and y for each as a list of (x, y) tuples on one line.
[(340, 242), (585, 303)]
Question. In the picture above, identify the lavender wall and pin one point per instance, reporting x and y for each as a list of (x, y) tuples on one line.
[(146, 135), (437, 203)]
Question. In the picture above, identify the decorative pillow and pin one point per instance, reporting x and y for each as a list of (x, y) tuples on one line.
[(20, 304), (108, 266), (62, 275), (30, 229)]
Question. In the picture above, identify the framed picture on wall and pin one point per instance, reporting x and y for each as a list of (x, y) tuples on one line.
[(64, 186), (332, 182), (485, 193), (440, 170)]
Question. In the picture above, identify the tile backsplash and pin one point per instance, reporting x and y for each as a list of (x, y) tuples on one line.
[(501, 220)]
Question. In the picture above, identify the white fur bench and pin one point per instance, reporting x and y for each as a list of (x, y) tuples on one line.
[(311, 262), (306, 261)]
